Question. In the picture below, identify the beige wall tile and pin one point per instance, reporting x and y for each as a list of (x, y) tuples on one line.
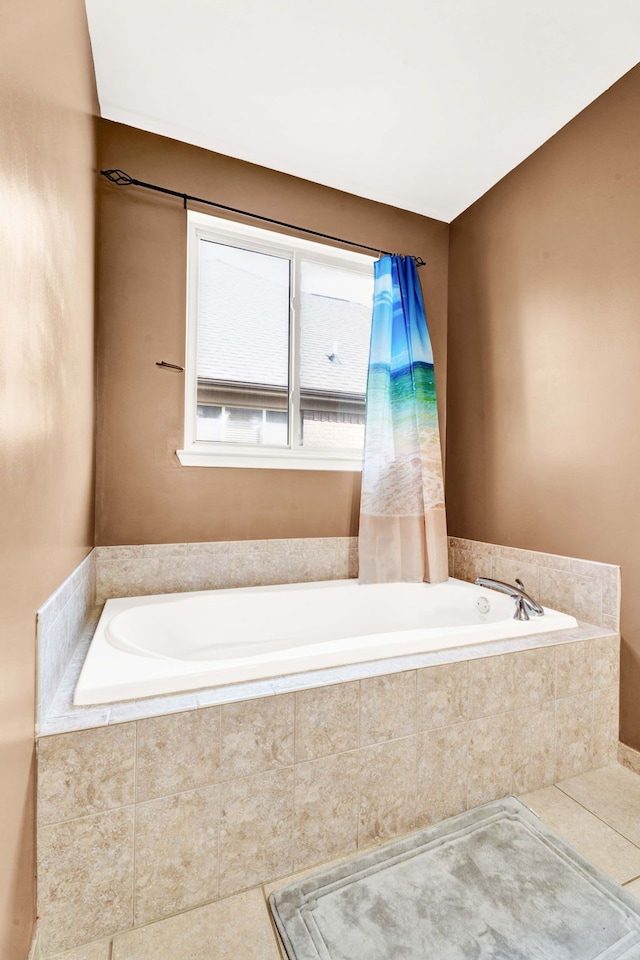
[(629, 757), (589, 568), (234, 929), (177, 752), (460, 543), (316, 559), (611, 592), (211, 548), (124, 552), (387, 707), (574, 668), (126, 577), (443, 695), (490, 759), (164, 549), (256, 735), (491, 685), (387, 790), (98, 950), (605, 654), (256, 829), (596, 841), (176, 855), (569, 593), (354, 559), (508, 570), (516, 554), (554, 562), (442, 764), (342, 558), (248, 569), (469, 565), (533, 676), (533, 748), (327, 720), (606, 723), (326, 809), (85, 879), (85, 772), (611, 793), (574, 736), (176, 567), (475, 546)]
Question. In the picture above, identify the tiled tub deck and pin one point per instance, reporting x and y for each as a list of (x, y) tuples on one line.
[(143, 816)]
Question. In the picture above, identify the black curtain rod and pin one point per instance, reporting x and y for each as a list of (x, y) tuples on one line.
[(122, 179)]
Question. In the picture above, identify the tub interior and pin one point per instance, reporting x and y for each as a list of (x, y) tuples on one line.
[(145, 646), (205, 627)]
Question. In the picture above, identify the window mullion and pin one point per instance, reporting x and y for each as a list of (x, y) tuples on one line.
[(295, 438)]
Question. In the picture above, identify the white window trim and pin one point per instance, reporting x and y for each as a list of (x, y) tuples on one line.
[(203, 453)]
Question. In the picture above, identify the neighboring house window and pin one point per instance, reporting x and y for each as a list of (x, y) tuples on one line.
[(278, 336)]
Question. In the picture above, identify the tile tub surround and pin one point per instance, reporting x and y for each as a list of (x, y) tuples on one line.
[(589, 591), (239, 927), (59, 625), (68, 619), (155, 816), (134, 571)]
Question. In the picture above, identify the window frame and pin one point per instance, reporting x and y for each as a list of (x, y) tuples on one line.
[(212, 453)]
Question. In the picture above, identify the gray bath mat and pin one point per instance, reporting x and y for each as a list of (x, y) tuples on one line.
[(491, 884)]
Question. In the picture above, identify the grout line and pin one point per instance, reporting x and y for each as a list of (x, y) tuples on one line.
[(135, 818), (219, 831), (555, 723), (596, 815), (416, 792), (359, 783), (86, 816)]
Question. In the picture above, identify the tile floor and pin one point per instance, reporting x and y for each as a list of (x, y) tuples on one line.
[(598, 813)]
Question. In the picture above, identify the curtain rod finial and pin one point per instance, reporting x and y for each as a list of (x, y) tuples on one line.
[(118, 177)]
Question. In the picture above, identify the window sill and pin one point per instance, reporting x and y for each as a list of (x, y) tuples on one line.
[(270, 459)]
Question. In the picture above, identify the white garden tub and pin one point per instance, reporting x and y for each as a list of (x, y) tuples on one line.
[(145, 646)]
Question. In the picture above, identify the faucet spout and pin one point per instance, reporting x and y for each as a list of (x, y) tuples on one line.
[(524, 603)]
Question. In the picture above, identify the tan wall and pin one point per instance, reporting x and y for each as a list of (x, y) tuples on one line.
[(144, 495), (543, 446), (47, 190)]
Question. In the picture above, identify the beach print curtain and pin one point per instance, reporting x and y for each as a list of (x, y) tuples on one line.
[(403, 531)]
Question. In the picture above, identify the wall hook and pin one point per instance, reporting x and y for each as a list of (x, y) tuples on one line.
[(170, 366)]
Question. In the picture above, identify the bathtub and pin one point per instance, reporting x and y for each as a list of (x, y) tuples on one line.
[(145, 646)]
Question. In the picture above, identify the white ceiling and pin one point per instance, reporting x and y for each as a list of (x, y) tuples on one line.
[(423, 104)]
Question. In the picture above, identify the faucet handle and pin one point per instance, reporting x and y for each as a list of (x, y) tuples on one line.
[(520, 585), (521, 610)]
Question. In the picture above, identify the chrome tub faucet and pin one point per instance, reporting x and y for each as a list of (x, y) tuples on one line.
[(526, 606)]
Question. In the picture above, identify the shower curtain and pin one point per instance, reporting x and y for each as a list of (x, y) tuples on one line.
[(403, 531)]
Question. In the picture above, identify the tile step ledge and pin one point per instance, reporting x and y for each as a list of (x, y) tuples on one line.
[(629, 757)]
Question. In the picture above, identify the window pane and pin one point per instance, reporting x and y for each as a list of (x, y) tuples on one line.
[(209, 422), (243, 344), (335, 328), (275, 427)]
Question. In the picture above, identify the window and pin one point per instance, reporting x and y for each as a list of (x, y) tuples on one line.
[(278, 336)]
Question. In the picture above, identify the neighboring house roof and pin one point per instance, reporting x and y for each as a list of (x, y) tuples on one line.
[(243, 333)]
